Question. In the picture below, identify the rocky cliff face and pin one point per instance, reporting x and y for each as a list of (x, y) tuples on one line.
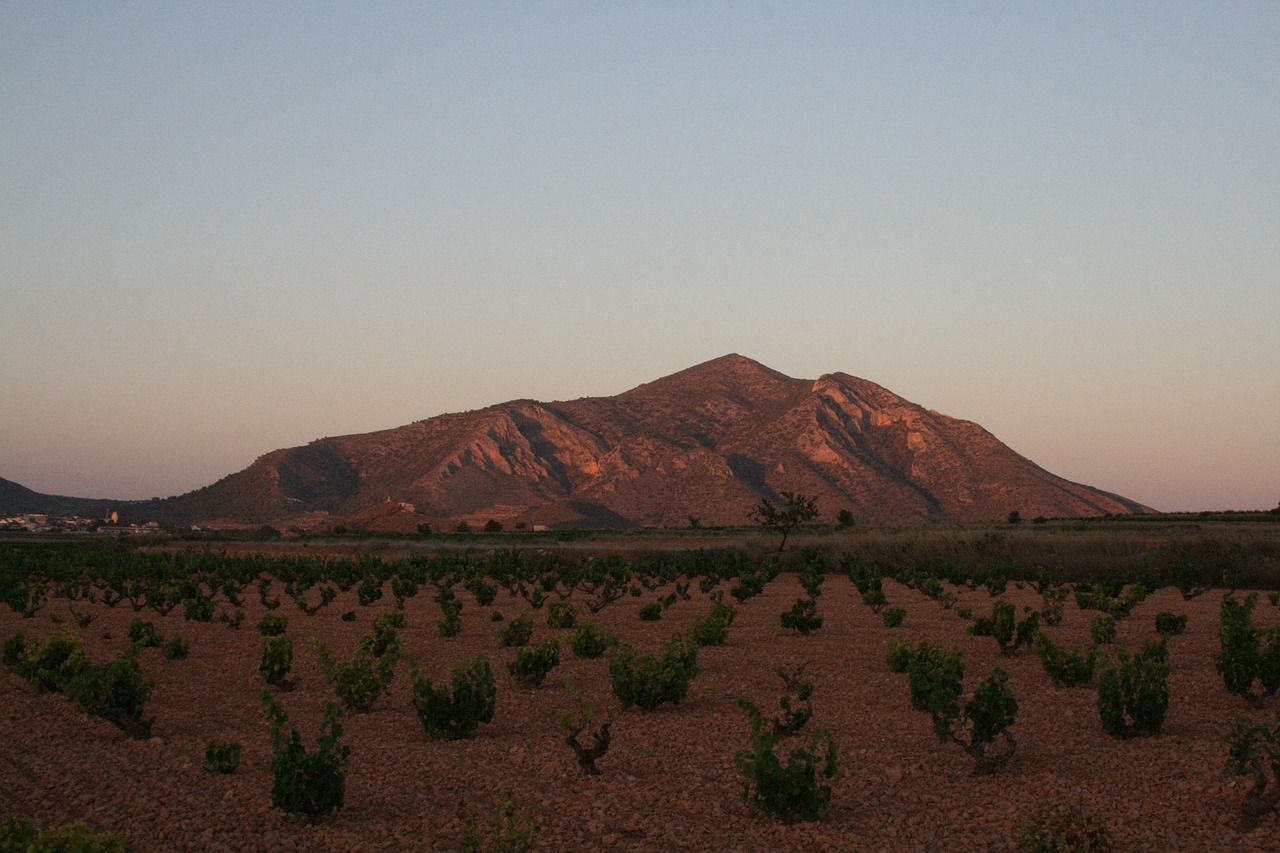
[(710, 441)]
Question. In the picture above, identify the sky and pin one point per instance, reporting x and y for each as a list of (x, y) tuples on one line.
[(227, 228)]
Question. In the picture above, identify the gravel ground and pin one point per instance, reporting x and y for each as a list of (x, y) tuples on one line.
[(668, 782)]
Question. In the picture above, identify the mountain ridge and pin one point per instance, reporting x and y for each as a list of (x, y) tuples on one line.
[(707, 442)]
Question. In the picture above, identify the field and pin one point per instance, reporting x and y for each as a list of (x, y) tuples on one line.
[(668, 780)]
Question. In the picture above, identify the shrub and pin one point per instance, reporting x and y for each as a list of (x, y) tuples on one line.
[(930, 665), (277, 660), (792, 792), (197, 609), (369, 590), (574, 722), (1170, 624), (802, 617), (145, 634), (359, 681), (518, 631), (451, 624), (710, 630), (590, 641), (496, 616), (273, 625), (893, 616), (875, 599), (458, 712), (796, 704), (1253, 748), (307, 783), (176, 648), (648, 680), (899, 655), (1051, 605), (1067, 669), (1103, 629), (1242, 660), (1002, 625), (1064, 829), (531, 665), (1133, 692), (562, 615), (115, 690), (986, 716), (651, 612), (349, 616), (484, 591), (512, 832), (47, 666), (222, 756), (21, 835)]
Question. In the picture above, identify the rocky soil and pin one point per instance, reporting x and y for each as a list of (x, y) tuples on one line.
[(668, 781)]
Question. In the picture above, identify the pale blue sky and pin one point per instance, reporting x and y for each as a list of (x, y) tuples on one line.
[(231, 227)]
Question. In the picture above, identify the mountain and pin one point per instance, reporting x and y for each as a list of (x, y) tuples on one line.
[(708, 442), (15, 499)]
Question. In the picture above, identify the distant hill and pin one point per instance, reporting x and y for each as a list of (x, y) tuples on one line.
[(15, 499), (708, 442)]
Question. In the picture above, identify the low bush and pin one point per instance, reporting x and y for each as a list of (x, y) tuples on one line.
[(144, 634), (875, 599), (591, 641), (893, 616), (1170, 624), (222, 756), (651, 612), (277, 660), (175, 648), (197, 609), (531, 665), (796, 704), (47, 666), (369, 590), (1253, 749), (1103, 629), (1242, 659), (1133, 691), (937, 686), (307, 783), (649, 681), (115, 690), (273, 625), (1067, 669), (20, 835), (1002, 625), (803, 617), (455, 711), (791, 792), (518, 632), (930, 664), (562, 615), (360, 680), (710, 630), (451, 624), (574, 722)]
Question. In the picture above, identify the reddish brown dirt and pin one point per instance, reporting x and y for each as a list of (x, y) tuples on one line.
[(668, 782)]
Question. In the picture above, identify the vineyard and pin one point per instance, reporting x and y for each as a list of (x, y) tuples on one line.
[(820, 698)]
